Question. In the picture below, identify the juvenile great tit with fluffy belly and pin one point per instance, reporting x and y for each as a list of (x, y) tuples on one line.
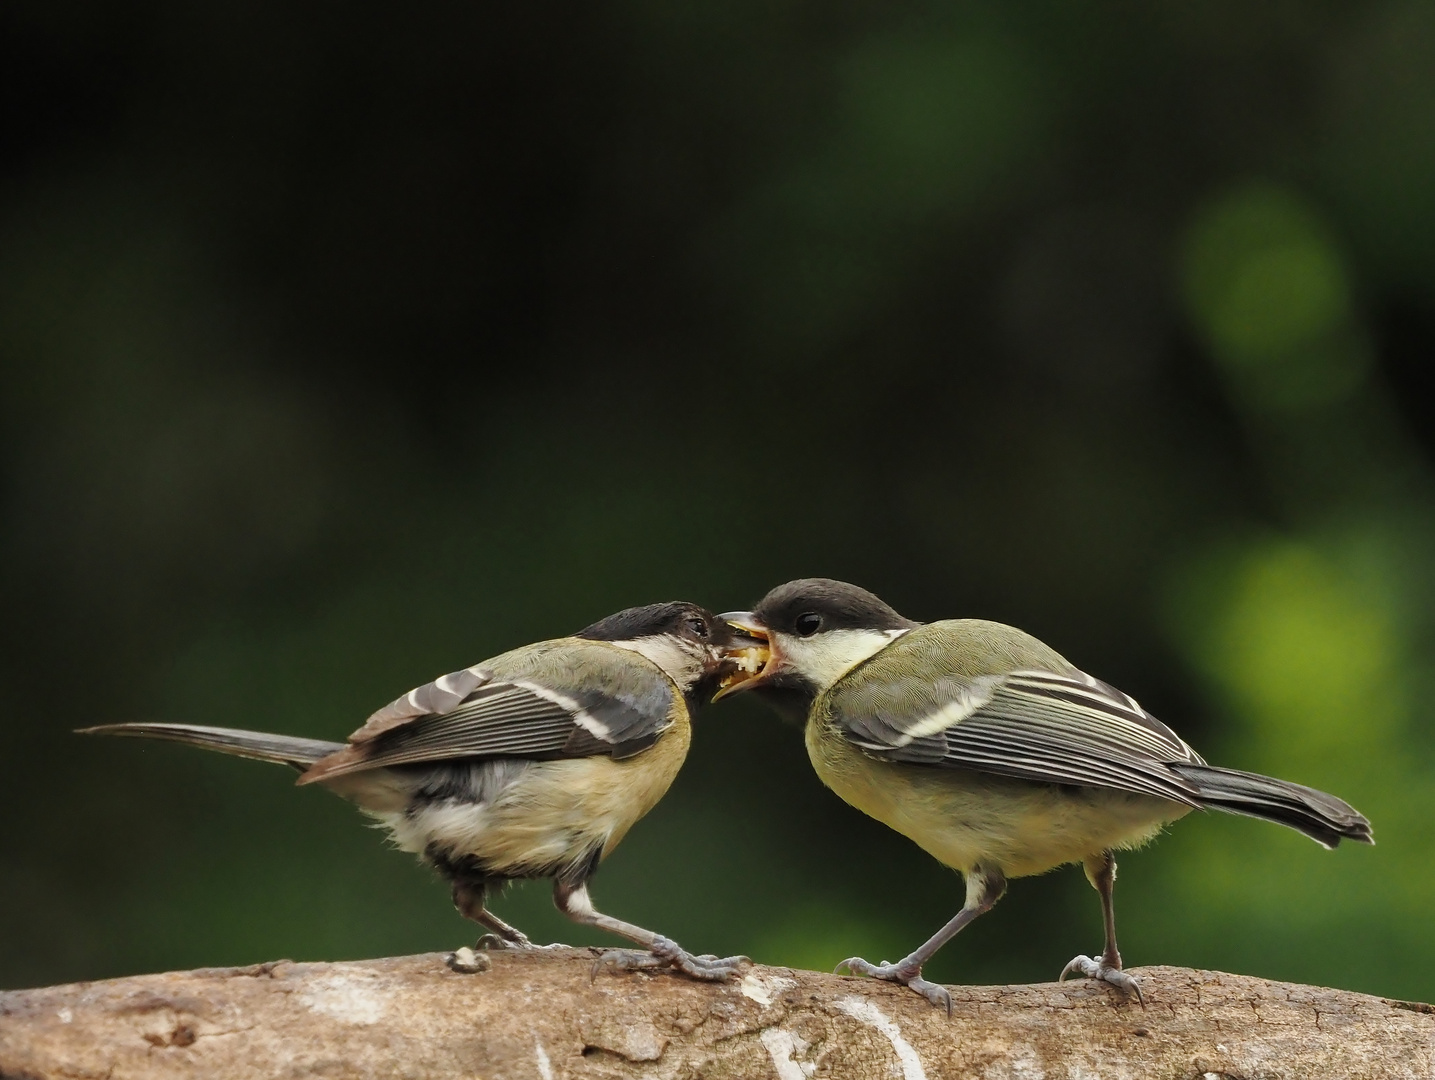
[(533, 764), (993, 753)]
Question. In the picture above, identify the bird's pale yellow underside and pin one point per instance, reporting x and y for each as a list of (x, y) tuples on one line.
[(564, 807), (961, 817)]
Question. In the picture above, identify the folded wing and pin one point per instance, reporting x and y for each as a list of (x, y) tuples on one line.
[(551, 710), (1060, 727)]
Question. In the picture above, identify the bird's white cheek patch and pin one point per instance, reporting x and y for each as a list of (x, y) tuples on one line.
[(680, 662), (826, 657)]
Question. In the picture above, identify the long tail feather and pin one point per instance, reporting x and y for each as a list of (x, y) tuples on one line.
[(1324, 818), (283, 749)]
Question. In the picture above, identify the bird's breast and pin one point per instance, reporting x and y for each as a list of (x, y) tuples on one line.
[(549, 814)]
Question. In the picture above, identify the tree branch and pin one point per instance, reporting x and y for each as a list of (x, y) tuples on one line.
[(540, 1016)]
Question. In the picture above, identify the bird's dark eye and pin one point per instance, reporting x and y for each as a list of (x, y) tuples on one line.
[(808, 623), (698, 627)]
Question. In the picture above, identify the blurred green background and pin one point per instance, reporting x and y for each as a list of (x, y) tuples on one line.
[(343, 346)]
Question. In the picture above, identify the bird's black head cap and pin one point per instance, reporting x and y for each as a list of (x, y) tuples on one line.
[(697, 649), (813, 605), (677, 618)]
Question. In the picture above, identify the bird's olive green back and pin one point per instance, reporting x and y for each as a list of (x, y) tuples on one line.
[(568, 697), (579, 666), (960, 648), (977, 695)]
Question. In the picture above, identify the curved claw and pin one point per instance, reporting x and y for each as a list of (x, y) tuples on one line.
[(666, 953), (855, 965), (911, 978), (1095, 969), (626, 960), (496, 943), (707, 967)]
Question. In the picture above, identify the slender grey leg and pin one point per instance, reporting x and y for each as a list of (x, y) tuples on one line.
[(1101, 872), (984, 888), (661, 952), (470, 898)]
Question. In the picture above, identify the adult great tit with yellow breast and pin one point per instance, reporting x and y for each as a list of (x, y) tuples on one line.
[(993, 753), (533, 764)]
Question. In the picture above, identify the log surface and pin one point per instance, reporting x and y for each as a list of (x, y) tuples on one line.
[(543, 1017)]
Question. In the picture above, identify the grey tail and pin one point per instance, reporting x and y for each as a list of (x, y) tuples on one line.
[(1324, 818), (282, 749)]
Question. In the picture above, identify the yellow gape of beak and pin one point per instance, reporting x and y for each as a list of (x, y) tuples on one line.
[(747, 656)]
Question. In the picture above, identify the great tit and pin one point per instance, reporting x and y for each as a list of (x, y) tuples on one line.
[(533, 764), (993, 753)]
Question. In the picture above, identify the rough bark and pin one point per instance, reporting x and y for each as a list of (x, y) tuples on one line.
[(543, 1016)]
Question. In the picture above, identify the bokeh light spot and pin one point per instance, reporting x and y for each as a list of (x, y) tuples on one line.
[(1304, 654), (1267, 286)]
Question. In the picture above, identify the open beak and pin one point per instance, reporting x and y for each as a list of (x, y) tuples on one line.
[(747, 657)]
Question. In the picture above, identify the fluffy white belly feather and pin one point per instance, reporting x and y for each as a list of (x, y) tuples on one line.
[(553, 812)]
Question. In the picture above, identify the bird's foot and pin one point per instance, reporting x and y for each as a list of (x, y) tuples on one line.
[(471, 961), (1100, 969), (910, 977), (666, 953), (468, 961), (498, 943)]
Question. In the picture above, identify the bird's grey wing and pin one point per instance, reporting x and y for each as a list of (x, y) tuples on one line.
[(1053, 727), (587, 700)]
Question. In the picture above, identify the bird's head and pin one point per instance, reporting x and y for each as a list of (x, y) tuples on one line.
[(817, 630), (701, 652)]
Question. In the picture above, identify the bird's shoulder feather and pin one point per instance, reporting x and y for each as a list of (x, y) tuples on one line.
[(568, 697), (980, 695)]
